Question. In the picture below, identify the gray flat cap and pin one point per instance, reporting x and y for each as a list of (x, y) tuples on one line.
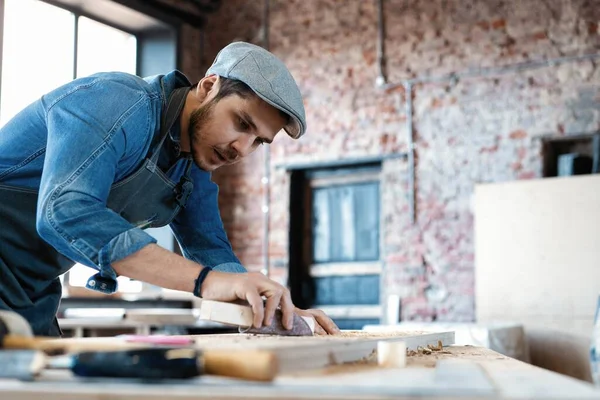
[(267, 76)]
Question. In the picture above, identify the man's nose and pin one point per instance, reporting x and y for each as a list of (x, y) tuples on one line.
[(243, 146)]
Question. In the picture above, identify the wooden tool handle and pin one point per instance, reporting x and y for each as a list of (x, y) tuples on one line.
[(61, 346), (20, 342), (256, 365)]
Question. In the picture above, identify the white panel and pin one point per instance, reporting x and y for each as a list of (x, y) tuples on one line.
[(538, 253)]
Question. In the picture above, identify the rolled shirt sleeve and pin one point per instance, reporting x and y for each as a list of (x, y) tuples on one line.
[(199, 229), (89, 130)]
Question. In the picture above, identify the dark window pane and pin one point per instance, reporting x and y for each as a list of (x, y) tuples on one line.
[(346, 223), (321, 226), (354, 324), (347, 290), (366, 208)]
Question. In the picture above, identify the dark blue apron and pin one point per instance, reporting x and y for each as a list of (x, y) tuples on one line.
[(30, 267)]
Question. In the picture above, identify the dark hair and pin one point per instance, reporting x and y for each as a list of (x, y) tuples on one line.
[(230, 87)]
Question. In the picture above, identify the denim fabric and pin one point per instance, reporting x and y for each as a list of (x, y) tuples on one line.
[(76, 141)]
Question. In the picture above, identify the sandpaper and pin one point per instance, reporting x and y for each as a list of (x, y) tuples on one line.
[(300, 328)]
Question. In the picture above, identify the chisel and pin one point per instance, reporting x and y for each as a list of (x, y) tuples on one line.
[(149, 363)]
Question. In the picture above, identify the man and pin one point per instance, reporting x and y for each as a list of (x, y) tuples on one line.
[(88, 166)]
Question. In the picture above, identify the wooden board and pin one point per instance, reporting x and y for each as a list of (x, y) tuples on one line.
[(536, 253), (425, 377), (305, 353), (297, 353)]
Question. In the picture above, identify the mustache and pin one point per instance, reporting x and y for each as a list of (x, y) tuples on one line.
[(229, 154)]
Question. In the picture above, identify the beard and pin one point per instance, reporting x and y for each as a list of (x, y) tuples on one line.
[(198, 119)]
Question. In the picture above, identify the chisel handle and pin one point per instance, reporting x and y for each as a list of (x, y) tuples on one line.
[(176, 363), (256, 365), (61, 346)]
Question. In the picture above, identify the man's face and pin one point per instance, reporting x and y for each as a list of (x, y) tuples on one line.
[(226, 130)]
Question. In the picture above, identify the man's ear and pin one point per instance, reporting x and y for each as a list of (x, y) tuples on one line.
[(207, 87)]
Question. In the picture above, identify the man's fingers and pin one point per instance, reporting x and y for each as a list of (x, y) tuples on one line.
[(271, 306), (319, 330), (256, 303), (327, 323), (287, 309)]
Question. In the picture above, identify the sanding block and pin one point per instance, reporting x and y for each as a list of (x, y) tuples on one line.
[(243, 317)]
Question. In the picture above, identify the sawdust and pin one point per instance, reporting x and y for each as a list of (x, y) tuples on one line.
[(427, 356), (364, 334)]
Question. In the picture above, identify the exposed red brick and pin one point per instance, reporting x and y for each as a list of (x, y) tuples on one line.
[(539, 36), (518, 134), (369, 57), (527, 175), (491, 149), (499, 24), (436, 103), (330, 47), (483, 25)]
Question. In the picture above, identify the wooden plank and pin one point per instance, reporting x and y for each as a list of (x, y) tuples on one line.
[(226, 313), (345, 269), (536, 253), (234, 314), (511, 379), (521, 380), (466, 377), (358, 177), (293, 353), (162, 316), (305, 353), (349, 311)]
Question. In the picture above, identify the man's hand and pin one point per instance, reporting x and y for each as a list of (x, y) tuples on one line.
[(324, 325), (251, 287), (159, 266)]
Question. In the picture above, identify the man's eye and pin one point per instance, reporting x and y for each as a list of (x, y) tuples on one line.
[(259, 141), (243, 125)]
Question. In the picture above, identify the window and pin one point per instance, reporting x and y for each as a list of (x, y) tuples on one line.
[(335, 240), (345, 215), (571, 155), (103, 48), (346, 223), (39, 51)]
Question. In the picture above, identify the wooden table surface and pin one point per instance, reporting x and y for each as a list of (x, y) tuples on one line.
[(458, 372)]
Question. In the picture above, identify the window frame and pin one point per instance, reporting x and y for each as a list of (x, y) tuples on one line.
[(342, 176)]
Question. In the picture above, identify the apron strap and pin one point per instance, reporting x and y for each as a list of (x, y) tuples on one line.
[(168, 117), (184, 187)]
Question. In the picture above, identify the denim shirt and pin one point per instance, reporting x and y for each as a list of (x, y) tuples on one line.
[(73, 143)]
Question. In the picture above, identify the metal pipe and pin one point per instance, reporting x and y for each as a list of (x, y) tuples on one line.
[(267, 167), (381, 78), (343, 162), (496, 71), (408, 85), (76, 44), (408, 94)]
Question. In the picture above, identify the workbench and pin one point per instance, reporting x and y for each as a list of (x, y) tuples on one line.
[(457, 372)]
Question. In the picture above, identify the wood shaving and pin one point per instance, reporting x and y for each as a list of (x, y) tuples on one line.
[(363, 334), (439, 346)]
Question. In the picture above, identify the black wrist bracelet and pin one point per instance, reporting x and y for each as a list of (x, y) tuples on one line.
[(199, 280)]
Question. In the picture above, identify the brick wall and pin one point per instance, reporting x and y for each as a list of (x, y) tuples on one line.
[(466, 131)]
